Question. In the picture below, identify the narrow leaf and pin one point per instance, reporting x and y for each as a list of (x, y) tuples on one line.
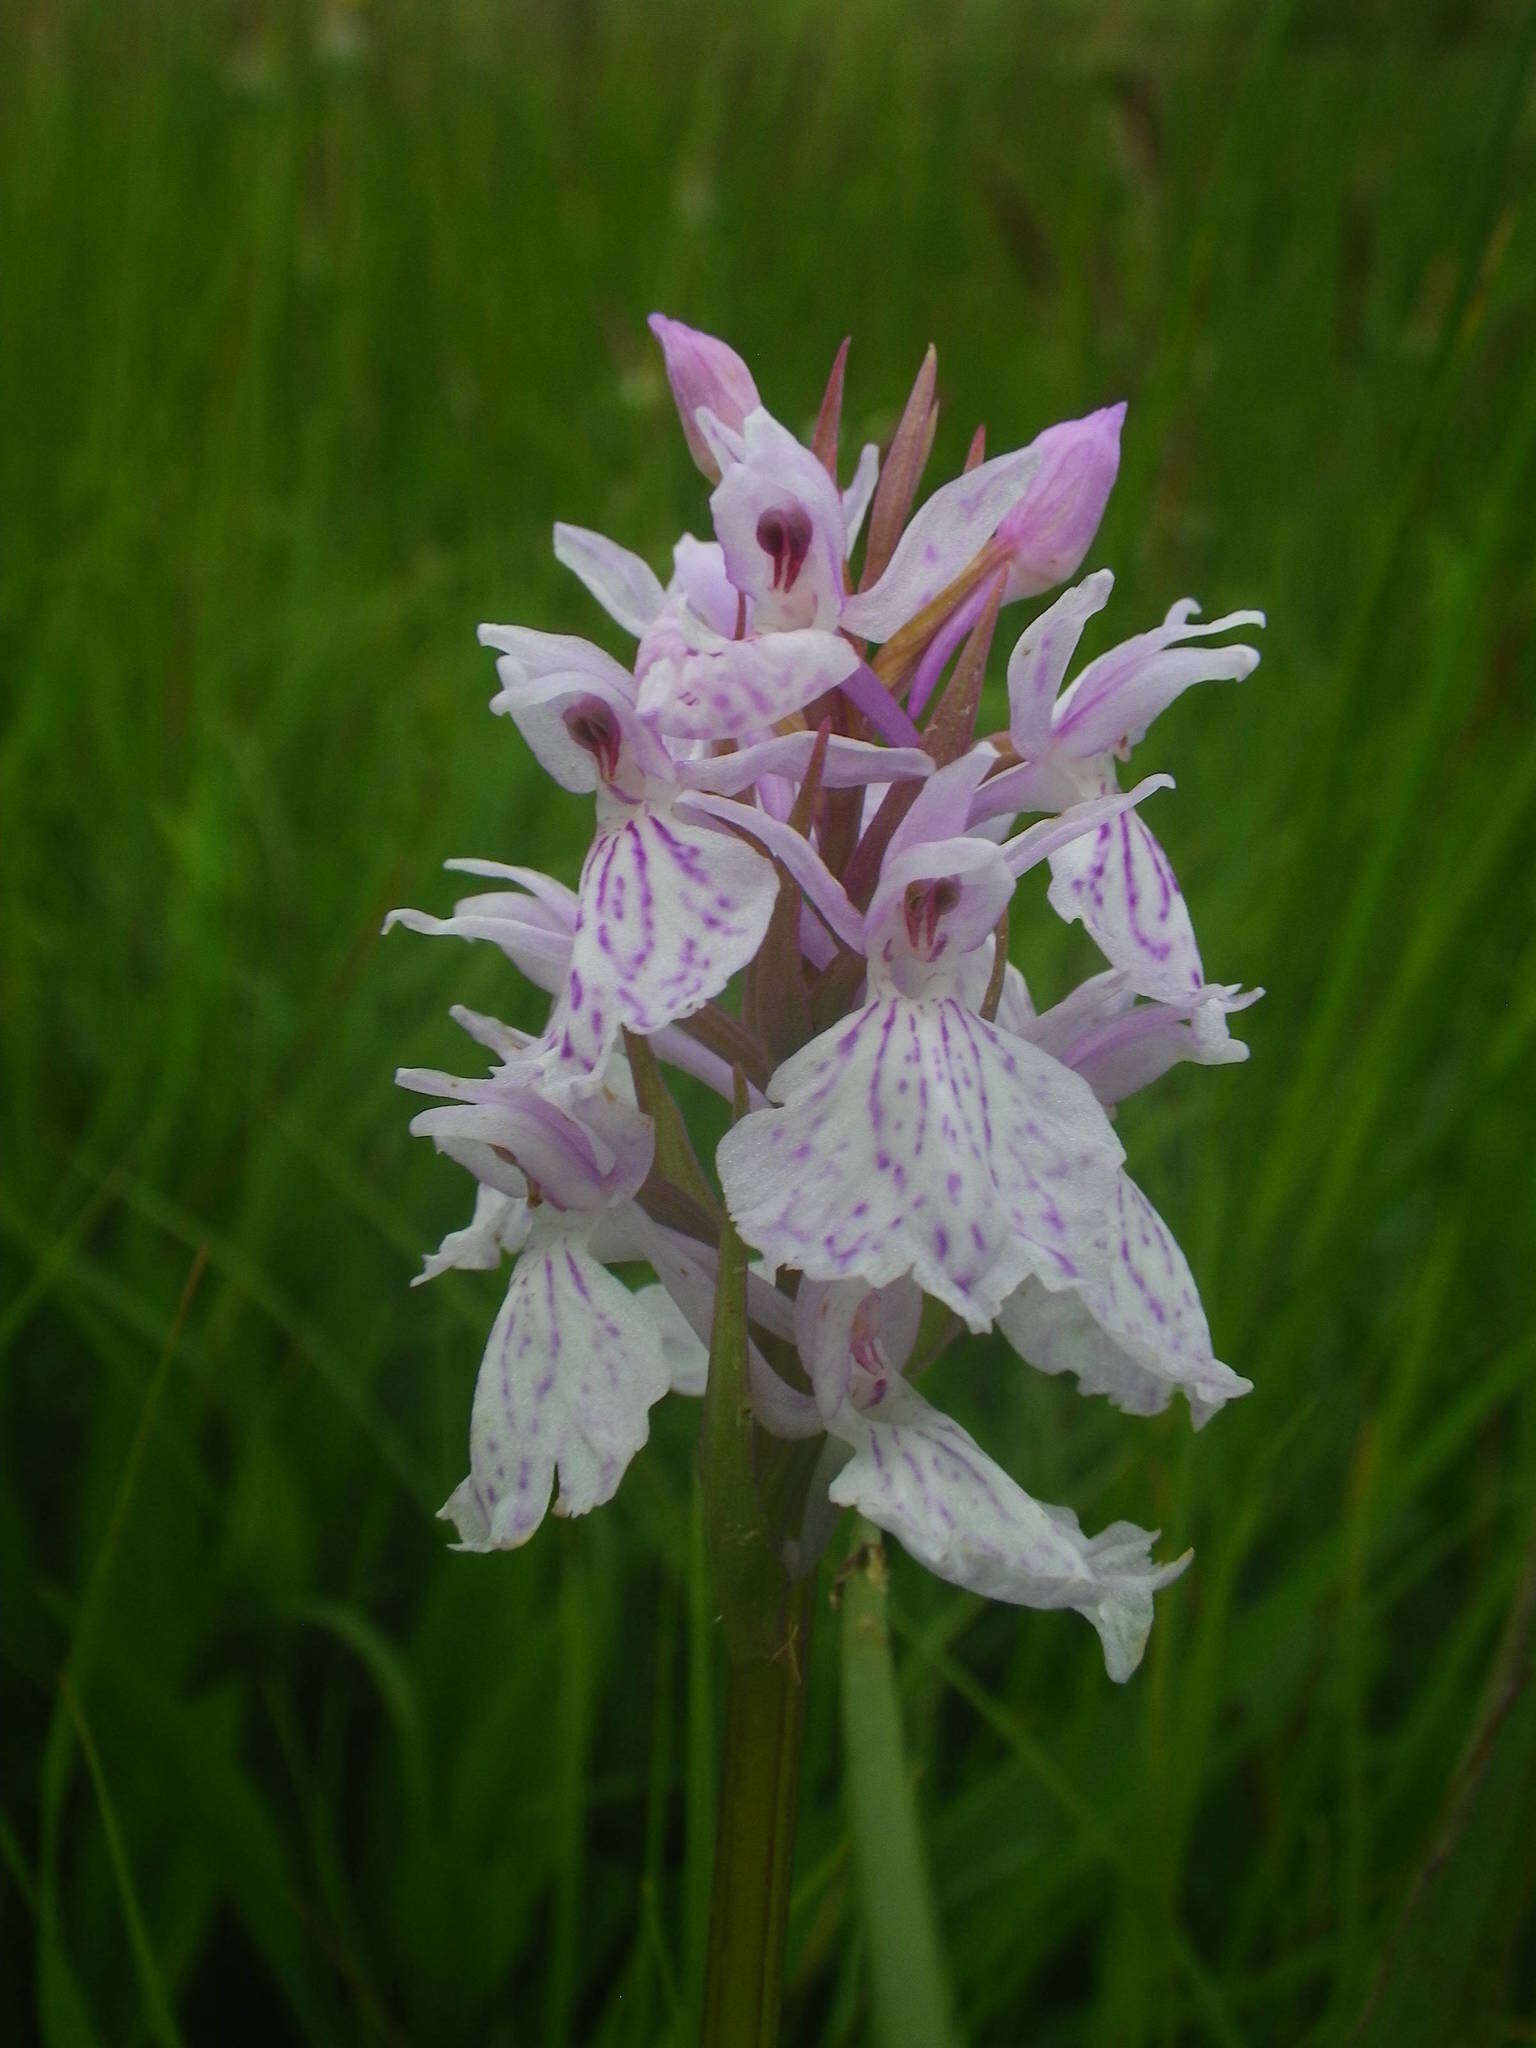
[(1451, 1948), (908, 1981), (676, 1159), (157, 2004)]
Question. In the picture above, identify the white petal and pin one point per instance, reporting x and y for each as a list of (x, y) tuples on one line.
[(915, 1138), (687, 1358), (499, 1224), (941, 538), (1135, 1330), (1111, 704), (669, 911), (540, 953), (919, 1475), (1119, 1055), (1041, 657), (627, 588), (1119, 882), (743, 686), (860, 490), (573, 1368)]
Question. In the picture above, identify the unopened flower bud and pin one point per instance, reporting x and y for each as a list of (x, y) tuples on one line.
[(704, 372), (1051, 528)]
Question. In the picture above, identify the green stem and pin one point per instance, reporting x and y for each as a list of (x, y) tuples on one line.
[(754, 1847), (753, 1489)]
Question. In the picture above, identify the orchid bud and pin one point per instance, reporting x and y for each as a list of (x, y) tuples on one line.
[(704, 372), (1051, 528)]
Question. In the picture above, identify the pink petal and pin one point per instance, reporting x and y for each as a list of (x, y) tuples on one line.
[(627, 588), (1051, 528), (821, 888), (1094, 815), (848, 764), (1120, 1054), (779, 520), (703, 372)]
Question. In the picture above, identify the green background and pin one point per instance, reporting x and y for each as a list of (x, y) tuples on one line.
[(311, 322)]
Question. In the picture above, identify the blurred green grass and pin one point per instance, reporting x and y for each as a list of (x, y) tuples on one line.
[(311, 321)]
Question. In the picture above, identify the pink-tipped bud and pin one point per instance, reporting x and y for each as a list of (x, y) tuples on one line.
[(1051, 528), (704, 372)]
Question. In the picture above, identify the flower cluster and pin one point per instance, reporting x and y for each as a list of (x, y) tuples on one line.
[(792, 803)]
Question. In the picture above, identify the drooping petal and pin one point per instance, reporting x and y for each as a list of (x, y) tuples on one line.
[(574, 1365), (1042, 656), (500, 1224), (919, 1475), (1051, 528), (1120, 1055), (533, 929), (941, 538), (699, 578), (1109, 706), (536, 939), (915, 1138), (583, 1153), (1118, 881), (703, 372), (1076, 825), (687, 1358), (1134, 1329), (627, 588), (669, 911), (847, 764), (704, 687), (820, 886)]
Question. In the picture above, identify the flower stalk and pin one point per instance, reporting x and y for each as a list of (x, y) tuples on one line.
[(754, 1855), (766, 1619)]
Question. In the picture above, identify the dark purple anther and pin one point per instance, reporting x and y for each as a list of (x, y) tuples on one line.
[(593, 726), (785, 537), (922, 907)]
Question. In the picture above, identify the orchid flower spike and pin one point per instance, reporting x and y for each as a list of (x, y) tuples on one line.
[(794, 896)]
